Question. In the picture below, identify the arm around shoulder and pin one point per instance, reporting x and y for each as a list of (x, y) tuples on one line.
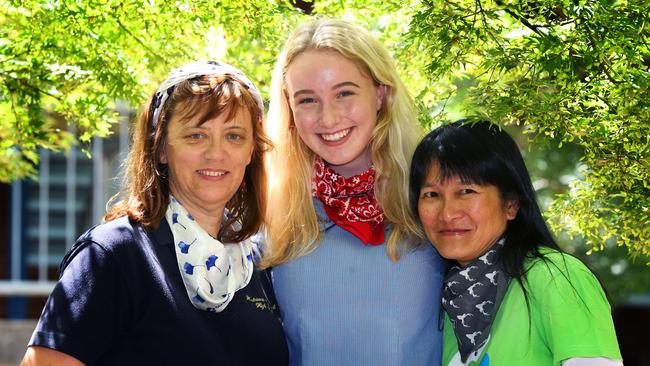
[(42, 356)]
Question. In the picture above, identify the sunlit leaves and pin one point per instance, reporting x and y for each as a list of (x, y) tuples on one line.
[(67, 62), (576, 72)]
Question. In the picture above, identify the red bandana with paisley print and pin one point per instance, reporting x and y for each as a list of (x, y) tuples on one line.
[(350, 202)]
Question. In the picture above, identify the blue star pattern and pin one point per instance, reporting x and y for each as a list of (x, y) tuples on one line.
[(212, 262), (188, 268), (198, 254), (185, 247), (175, 220)]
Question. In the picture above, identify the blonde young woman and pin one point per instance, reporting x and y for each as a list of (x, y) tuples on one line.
[(353, 283)]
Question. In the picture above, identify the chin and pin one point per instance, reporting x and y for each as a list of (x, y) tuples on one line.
[(335, 160), (450, 254)]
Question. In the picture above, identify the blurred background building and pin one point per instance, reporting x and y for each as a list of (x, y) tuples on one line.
[(39, 222)]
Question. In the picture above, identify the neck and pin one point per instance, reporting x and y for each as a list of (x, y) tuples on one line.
[(209, 223), (355, 167), (209, 219)]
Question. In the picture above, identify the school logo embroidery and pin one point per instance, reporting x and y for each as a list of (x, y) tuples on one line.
[(260, 303)]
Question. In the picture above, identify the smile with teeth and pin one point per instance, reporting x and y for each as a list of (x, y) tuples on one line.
[(335, 136), (211, 173)]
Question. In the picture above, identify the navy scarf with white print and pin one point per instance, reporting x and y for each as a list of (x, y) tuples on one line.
[(471, 297)]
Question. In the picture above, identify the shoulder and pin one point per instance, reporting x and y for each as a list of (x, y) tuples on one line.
[(562, 275), (110, 239), (111, 233), (554, 263), (122, 232)]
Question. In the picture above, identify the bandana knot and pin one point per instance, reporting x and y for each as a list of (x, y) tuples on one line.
[(350, 202)]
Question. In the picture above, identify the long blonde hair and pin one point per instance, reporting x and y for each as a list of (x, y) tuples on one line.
[(293, 224)]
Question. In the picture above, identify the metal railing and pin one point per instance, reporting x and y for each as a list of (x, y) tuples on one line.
[(26, 288)]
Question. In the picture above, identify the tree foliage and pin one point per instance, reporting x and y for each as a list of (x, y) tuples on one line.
[(572, 73), (67, 62)]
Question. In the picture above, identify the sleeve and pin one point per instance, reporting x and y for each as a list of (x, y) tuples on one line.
[(84, 313), (575, 313), (591, 361)]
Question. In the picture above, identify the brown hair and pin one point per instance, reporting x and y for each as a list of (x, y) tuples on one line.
[(145, 189)]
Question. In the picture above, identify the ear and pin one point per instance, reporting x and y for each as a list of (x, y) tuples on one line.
[(512, 207), (286, 96), (250, 154), (163, 154), (381, 92)]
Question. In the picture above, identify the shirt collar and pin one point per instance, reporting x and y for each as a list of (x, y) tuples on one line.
[(163, 234)]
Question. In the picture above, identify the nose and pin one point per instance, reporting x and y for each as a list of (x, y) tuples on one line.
[(450, 210), (214, 149), (329, 115)]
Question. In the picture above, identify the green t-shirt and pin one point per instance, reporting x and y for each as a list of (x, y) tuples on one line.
[(567, 319)]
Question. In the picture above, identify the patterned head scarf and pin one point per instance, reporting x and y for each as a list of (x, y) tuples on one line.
[(200, 68)]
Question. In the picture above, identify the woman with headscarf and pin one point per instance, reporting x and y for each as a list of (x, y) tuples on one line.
[(170, 278)]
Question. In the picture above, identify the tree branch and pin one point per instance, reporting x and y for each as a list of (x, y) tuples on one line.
[(520, 18), (489, 31), (524, 21), (124, 28), (30, 86), (601, 66)]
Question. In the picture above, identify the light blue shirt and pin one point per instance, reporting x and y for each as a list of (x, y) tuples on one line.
[(348, 304)]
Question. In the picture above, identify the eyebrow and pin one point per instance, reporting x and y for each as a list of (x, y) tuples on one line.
[(235, 127), (229, 126), (339, 85), (427, 185)]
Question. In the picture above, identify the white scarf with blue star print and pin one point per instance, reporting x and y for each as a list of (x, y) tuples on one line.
[(212, 272)]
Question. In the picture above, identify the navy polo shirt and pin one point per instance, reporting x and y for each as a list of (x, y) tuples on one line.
[(120, 300)]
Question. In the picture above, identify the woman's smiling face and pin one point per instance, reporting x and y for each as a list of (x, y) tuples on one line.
[(462, 220), (334, 105), (207, 160)]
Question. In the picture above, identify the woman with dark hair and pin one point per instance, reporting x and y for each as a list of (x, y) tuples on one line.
[(512, 297), (169, 278)]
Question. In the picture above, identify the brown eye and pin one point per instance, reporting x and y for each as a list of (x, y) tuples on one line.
[(429, 194)]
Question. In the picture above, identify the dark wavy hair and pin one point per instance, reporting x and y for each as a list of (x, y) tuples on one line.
[(480, 152)]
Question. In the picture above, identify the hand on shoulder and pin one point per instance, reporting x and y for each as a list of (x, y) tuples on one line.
[(42, 356)]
